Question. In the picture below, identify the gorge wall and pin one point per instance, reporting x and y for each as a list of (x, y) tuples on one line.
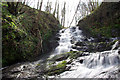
[(104, 21), (26, 35)]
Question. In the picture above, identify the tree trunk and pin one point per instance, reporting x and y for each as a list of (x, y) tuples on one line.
[(41, 4)]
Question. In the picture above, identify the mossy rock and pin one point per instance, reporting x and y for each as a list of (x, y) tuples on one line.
[(57, 69)]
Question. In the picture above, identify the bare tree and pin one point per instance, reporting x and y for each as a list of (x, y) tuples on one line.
[(48, 7), (55, 8), (78, 6), (38, 4), (92, 5), (58, 12), (15, 8), (41, 4), (63, 15), (84, 9)]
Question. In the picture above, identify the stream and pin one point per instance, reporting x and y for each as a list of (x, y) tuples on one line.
[(97, 64)]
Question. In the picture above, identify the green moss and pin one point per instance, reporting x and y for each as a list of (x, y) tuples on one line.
[(57, 69), (61, 65), (73, 56), (38, 64)]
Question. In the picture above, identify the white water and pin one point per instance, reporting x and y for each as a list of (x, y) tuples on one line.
[(64, 43), (66, 35), (96, 65)]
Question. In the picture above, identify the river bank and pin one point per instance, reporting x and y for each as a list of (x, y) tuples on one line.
[(79, 56)]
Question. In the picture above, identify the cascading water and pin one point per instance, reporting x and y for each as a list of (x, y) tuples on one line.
[(66, 35), (96, 65), (64, 43)]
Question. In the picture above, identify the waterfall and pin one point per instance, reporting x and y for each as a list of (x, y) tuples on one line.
[(105, 64), (103, 59), (96, 65), (66, 35)]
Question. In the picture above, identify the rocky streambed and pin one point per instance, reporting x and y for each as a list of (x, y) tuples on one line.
[(76, 56)]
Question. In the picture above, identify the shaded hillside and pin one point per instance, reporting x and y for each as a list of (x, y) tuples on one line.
[(104, 21), (26, 35)]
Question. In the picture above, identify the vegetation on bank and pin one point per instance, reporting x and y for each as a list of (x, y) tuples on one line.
[(104, 21), (26, 35)]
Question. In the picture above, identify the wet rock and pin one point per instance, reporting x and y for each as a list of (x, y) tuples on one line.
[(85, 39), (97, 47), (72, 63), (57, 38), (119, 52), (102, 39), (72, 42), (100, 46), (81, 61), (74, 46), (57, 69), (63, 31), (68, 68), (79, 44), (13, 72), (84, 54), (73, 29), (69, 62), (59, 57), (82, 48)]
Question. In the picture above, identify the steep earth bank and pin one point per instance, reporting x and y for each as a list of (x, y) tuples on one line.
[(103, 22), (27, 35)]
